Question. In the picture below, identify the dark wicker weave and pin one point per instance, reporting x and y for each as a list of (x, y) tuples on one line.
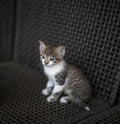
[(7, 25), (89, 30), (111, 116), (22, 102)]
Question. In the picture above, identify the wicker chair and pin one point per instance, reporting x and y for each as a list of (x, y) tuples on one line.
[(89, 30)]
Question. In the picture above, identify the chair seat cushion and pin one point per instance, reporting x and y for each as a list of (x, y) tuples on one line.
[(21, 100)]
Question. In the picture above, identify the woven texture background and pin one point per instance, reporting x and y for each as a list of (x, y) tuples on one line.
[(7, 24), (21, 101), (111, 116), (119, 87), (89, 30)]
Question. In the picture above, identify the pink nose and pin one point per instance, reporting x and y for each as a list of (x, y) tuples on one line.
[(46, 62)]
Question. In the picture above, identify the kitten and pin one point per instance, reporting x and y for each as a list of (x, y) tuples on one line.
[(63, 77)]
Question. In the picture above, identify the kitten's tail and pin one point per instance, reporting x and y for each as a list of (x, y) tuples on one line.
[(82, 104)]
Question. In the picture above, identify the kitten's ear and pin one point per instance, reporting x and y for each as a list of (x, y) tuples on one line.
[(42, 45), (60, 51)]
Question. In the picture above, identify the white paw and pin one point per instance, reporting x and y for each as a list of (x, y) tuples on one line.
[(87, 108), (63, 100), (45, 92), (50, 98)]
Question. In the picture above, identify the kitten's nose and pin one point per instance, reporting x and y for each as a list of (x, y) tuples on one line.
[(46, 62)]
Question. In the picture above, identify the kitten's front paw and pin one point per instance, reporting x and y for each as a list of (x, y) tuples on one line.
[(63, 100), (45, 92), (51, 99)]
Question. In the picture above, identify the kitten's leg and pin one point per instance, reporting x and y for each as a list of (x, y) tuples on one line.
[(64, 99), (57, 91), (48, 88)]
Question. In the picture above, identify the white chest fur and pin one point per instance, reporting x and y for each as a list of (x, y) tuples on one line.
[(53, 70)]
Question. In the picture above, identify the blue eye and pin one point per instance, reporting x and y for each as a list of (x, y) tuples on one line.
[(52, 58), (43, 57)]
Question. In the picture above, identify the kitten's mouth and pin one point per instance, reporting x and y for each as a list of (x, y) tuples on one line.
[(47, 64)]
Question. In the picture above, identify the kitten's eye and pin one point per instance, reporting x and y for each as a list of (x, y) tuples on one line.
[(52, 58), (43, 57)]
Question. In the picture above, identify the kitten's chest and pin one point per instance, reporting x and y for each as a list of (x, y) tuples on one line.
[(49, 72), (52, 71)]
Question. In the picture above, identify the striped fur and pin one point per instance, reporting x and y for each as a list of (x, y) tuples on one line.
[(63, 77)]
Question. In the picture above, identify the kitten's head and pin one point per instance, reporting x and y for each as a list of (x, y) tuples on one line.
[(51, 55)]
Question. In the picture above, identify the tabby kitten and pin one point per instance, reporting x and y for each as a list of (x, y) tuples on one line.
[(63, 77)]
